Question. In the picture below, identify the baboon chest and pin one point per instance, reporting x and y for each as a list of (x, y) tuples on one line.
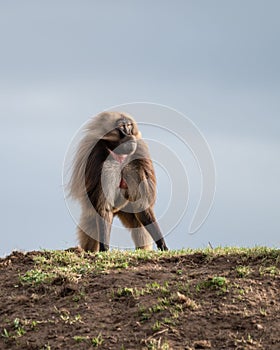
[(117, 183)]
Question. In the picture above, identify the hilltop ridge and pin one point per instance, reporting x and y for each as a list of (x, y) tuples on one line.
[(223, 298)]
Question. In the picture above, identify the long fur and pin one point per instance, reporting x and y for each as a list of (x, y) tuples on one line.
[(94, 171)]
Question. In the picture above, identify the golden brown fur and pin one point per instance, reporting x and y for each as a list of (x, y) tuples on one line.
[(113, 175)]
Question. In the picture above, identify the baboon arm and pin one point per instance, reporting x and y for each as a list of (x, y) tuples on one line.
[(104, 229), (147, 219)]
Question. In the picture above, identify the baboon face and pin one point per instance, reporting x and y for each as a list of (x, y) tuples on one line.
[(122, 139)]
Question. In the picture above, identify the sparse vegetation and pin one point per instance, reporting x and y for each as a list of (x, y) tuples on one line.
[(217, 282), (243, 271), (211, 298), (96, 341)]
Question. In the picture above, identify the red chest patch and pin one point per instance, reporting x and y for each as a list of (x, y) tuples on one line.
[(123, 184)]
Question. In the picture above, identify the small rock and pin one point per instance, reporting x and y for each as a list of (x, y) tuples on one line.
[(202, 344)]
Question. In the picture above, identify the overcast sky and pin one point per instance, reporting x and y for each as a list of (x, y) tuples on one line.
[(217, 62)]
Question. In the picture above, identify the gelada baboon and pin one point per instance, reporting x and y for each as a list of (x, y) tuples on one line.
[(113, 175)]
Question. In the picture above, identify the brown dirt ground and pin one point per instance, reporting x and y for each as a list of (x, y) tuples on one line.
[(179, 309)]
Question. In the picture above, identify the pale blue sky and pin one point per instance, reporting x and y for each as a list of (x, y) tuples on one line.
[(215, 61)]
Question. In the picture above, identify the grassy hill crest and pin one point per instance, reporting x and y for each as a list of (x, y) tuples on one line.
[(223, 298)]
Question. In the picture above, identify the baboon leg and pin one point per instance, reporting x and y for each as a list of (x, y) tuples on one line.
[(139, 234), (88, 233), (86, 242), (147, 219), (104, 228), (141, 238)]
